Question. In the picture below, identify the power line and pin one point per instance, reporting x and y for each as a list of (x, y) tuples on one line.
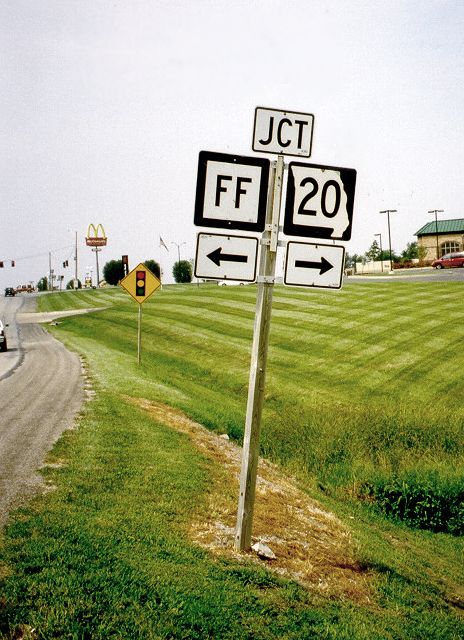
[(46, 253)]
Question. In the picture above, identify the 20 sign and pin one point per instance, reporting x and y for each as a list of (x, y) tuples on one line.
[(319, 202)]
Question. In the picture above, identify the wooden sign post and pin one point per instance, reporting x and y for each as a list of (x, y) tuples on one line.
[(259, 351)]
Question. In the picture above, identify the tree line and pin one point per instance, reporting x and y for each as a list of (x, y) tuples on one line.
[(113, 273), (405, 258)]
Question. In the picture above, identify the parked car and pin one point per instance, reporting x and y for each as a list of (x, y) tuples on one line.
[(25, 288), (449, 260), (3, 343), (9, 291)]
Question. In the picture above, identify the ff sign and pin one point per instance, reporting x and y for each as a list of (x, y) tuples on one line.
[(231, 191), (283, 132)]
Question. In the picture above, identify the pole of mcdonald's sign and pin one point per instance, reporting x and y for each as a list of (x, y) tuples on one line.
[(250, 454), (97, 249)]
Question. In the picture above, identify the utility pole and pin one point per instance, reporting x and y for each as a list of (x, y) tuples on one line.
[(435, 211), (379, 235), (388, 211), (50, 272), (76, 280)]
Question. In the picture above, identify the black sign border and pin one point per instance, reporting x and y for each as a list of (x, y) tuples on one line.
[(347, 176), (201, 221)]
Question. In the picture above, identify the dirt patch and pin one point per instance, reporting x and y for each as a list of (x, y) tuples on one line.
[(311, 544)]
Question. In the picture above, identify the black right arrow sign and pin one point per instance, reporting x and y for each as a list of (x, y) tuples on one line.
[(323, 266), (314, 265)]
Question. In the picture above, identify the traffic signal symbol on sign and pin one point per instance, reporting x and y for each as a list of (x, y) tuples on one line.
[(140, 283)]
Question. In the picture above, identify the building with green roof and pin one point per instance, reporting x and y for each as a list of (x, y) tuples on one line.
[(440, 237)]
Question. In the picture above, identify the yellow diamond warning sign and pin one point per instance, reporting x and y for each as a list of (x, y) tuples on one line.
[(140, 283)]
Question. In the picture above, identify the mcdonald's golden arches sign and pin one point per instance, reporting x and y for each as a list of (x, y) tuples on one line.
[(96, 236)]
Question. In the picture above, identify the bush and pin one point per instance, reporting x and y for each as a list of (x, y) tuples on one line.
[(424, 502), (113, 271), (42, 284), (182, 271), (154, 267), (70, 284)]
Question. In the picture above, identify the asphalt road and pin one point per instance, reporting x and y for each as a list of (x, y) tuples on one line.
[(413, 275), (41, 392)]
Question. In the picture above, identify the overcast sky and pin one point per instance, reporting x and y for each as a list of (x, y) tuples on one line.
[(105, 105)]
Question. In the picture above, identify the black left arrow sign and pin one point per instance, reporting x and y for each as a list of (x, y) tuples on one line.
[(323, 266), (217, 257)]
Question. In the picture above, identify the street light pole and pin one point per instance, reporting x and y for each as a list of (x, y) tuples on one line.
[(379, 235), (435, 211), (388, 211), (178, 249), (76, 280)]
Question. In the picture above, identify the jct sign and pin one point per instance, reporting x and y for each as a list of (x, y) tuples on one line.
[(286, 132)]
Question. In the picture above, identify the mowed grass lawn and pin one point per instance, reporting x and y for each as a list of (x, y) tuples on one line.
[(364, 406)]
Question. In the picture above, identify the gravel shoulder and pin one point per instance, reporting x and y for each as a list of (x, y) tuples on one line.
[(41, 394)]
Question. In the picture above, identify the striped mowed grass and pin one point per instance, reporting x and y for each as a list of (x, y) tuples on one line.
[(361, 382)]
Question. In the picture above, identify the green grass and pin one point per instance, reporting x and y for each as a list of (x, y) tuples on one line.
[(119, 565), (363, 390), (360, 382)]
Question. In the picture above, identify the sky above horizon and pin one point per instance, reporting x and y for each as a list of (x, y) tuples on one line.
[(106, 104)]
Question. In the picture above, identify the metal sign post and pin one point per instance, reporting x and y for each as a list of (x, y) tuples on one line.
[(139, 336), (262, 325), (140, 283)]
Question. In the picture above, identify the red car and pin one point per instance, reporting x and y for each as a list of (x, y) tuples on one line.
[(449, 260)]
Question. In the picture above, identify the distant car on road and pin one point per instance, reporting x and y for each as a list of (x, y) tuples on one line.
[(449, 260), (3, 343), (9, 291)]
